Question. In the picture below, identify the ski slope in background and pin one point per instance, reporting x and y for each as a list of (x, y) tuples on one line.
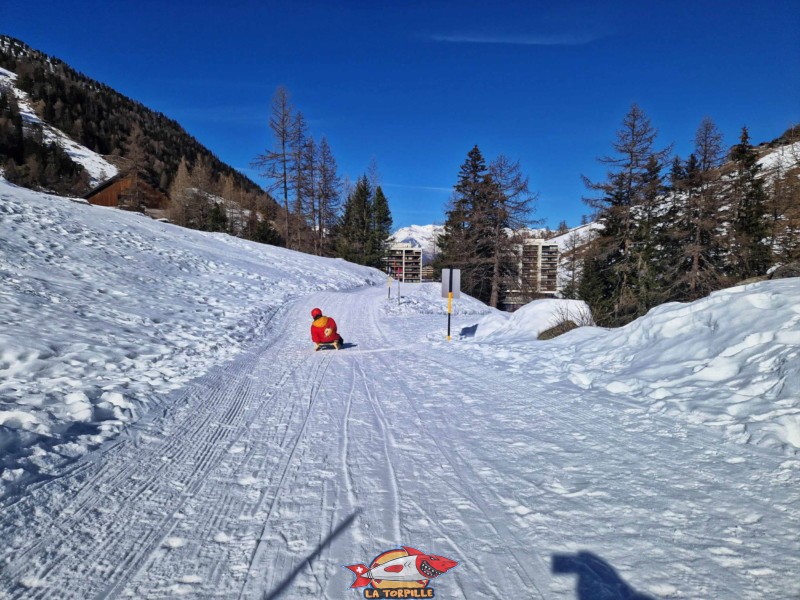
[(656, 459)]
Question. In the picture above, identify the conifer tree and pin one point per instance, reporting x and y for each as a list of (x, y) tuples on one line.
[(489, 204), (699, 232), (137, 157), (328, 193), (572, 260), (365, 226), (232, 203), (381, 228), (751, 255), (301, 166), (354, 233), (276, 164), (460, 235), (624, 198), (510, 212), (179, 195)]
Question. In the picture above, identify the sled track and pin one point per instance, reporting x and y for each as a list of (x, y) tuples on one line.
[(105, 517), (257, 559), (130, 498)]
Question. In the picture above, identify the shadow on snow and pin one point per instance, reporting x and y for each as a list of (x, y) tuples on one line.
[(284, 585), (597, 580)]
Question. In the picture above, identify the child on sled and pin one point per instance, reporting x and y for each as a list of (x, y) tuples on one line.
[(323, 331)]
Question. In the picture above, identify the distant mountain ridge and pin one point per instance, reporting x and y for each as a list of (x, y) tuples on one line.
[(103, 120), (420, 236)]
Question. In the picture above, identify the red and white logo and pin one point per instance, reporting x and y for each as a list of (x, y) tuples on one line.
[(403, 569)]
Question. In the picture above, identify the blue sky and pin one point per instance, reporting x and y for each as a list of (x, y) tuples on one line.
[(414, 85)]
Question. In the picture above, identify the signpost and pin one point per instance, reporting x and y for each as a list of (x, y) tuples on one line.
[(451, 289)]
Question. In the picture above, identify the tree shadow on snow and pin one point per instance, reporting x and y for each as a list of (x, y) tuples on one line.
[(597, 580), (284, 585)]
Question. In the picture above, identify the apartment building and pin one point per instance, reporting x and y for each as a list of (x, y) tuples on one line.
[(537, 273), (404, 262)]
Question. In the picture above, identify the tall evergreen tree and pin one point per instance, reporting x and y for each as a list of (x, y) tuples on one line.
[(700, 229), (458, 240), (751, 255), (328, 194), (365, 226), (381, 228), (488, 205), (354, 239)]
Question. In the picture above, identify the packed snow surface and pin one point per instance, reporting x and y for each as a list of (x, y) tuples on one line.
[(652, 461), (102, 312), (98, 168)]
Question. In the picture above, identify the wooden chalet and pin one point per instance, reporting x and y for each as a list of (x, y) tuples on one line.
[(128, 192)]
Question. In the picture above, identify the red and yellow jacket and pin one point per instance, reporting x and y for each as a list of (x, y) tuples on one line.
[(323, 330)]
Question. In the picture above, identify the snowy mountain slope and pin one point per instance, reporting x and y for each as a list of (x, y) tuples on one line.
[(98, 168), (420, 236), (103, 312), (575, 237), (783, 157), (424, 237)]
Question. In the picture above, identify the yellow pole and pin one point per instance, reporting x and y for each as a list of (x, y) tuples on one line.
[(449, 312)]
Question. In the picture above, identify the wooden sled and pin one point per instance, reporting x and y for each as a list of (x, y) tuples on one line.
[(337, 345)]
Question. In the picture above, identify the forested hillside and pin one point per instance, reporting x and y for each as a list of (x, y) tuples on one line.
[(204, 193), (678, 229), (104, 120)]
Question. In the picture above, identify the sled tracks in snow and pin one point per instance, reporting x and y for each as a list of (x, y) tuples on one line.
[(157, 512)]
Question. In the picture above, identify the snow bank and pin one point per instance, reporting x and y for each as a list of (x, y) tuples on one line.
[(532, 319), (102, 312), (730, 360)]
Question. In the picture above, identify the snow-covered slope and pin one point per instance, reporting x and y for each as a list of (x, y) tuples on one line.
[(103, 311), (781, 158), (98, 168), (575, 237)]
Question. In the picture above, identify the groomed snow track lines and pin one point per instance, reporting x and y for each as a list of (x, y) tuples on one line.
[(267, 475)]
